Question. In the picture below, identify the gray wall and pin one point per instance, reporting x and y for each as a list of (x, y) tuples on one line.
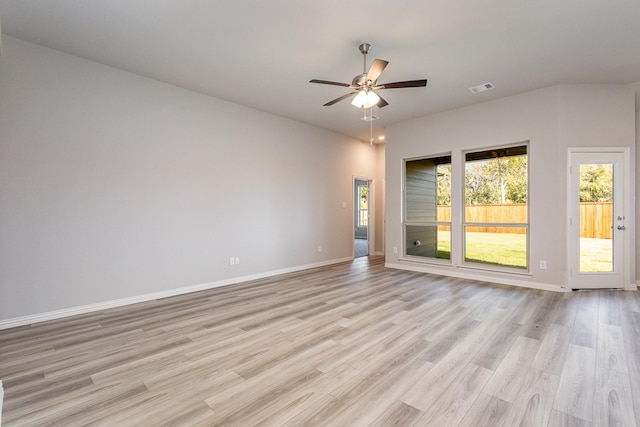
[(113, 186)]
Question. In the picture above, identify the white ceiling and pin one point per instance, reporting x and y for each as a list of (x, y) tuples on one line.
[(263, 53)]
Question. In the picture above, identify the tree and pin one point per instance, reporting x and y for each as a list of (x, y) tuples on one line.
[(517, 184), (496, 181), (364, 194), (596, 183), (444, 184)]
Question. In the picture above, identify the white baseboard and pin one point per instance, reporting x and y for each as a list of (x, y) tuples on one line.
[(472, 275), (73, 311)]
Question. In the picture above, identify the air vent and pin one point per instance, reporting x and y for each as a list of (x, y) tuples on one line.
[(482, 88)]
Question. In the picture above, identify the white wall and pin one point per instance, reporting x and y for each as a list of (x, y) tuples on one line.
[(114, 186), (379, 235), (552, 120), (636, 88)]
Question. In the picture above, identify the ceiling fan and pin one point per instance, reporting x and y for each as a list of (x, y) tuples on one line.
[(366, 84)]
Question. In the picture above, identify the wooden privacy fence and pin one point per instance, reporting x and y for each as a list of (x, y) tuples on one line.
[(595, 218)]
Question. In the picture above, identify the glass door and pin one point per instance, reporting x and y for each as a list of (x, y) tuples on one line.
[(597, 222)]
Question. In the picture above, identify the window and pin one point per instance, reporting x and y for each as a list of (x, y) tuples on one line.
[(427, 214), (495, 222), (363, 205)]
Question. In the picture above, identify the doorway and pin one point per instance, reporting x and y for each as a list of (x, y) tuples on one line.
[(598, 239), (362, 203)]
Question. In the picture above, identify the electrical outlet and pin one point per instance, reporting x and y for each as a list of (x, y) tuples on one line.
[(395, 250), (543, 265), (237, 260), (319, 248), (232, 261)]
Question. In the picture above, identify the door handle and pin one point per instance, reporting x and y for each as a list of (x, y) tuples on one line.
[(622, 227)]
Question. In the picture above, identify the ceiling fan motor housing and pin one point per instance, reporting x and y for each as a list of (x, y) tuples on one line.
[(359, 80)]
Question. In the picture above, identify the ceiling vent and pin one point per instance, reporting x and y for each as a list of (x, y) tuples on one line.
[(482, 88)]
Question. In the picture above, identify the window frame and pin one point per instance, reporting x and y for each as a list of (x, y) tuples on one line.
[(468, 224), (408, 222)]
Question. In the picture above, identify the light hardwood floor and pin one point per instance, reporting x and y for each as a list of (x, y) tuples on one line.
[(347, 345)]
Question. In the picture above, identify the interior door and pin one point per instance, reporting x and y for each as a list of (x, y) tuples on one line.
[(597, 223)]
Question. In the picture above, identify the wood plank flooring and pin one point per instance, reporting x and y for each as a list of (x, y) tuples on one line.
[(352, 344)]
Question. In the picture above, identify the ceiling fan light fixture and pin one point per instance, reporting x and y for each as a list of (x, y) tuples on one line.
[(365, 99), (359, 99), (372, 99)]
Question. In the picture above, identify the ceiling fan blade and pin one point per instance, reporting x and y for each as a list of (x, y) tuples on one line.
[(408, 83), (376, 69), (338, 99), (326, 82), (382, 102)]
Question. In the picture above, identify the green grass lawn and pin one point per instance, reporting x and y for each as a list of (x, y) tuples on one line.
[(510, 250), (444, 244), (596, 255)]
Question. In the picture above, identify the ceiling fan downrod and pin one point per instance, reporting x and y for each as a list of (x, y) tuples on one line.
[(364, 49)]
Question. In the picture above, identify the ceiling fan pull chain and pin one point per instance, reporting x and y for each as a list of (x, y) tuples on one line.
[(370, 126)]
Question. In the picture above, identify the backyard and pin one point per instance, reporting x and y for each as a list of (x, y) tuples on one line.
[(509, 250)]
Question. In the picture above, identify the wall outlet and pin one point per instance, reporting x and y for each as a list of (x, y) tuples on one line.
[(543, 265), (319, 248), (232, 261), (395, 250), (237, 260)]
